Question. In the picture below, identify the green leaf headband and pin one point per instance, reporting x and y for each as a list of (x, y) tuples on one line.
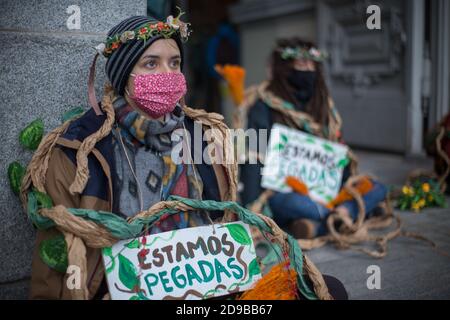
[(302, 53), (149, 30)]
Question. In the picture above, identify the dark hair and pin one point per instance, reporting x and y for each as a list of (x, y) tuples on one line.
[(317, 107)]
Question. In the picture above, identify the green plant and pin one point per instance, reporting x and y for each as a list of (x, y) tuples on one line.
[(420, 194)]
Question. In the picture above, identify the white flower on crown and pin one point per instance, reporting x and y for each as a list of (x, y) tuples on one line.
[(314, 52), (173, 22), (127, 35), (184, 29), (100, 48)]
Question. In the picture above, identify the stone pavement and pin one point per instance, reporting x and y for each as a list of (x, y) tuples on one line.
[(412, 269)]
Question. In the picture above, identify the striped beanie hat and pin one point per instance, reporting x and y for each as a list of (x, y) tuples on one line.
[(120, 63)]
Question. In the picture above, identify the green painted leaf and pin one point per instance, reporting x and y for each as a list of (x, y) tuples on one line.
[(328, 198), (310, 140), (53, 252), (72, 113), (134, 298), (327, 147), (343, 162), (134, 244), (279, 147), (43, 199), (284, 138), (239, 234), (127, 273), (31, 136), (16, 172), (108, 252), (142, 296), (253, 268)]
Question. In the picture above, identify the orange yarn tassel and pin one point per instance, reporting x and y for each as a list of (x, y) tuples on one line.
[(297, 185), (279, 284), (363, 186)]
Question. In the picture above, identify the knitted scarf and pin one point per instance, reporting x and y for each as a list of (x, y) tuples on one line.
[(148, 145)]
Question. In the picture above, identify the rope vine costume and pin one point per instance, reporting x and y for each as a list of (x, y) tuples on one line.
[(98, 229)]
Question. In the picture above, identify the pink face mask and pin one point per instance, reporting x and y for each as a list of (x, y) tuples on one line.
[(157, 94)]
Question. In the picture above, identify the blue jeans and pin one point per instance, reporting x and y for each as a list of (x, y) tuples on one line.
[(288, 207)]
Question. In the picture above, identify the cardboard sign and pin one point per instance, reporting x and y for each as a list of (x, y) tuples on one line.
[(317, 162), (191, 263)]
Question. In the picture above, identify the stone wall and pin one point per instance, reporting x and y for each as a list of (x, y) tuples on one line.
[(43, 72)]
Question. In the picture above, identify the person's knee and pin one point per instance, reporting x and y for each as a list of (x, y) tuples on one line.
[(380, 186), (292, 206), (380, 191)]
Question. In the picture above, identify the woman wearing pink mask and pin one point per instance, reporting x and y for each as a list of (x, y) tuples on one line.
[(128, 140)]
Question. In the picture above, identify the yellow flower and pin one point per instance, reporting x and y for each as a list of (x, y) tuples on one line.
[(426, 187), (415, 207), (405, 190), (421, 203), (408, 191)]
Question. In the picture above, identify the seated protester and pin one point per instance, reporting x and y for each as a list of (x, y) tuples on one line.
[(297, 90), (131, 168)]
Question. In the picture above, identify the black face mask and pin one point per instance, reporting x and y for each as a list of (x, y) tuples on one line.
[(304, 83)]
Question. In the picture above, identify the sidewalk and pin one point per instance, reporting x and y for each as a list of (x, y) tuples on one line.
[(412, 269)]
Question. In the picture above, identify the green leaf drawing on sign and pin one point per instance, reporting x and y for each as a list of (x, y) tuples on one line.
[(327, 147), (142, 296), (253, 268), (328, 198), (108, 252), (284, 138), (278, 147), (343, 162), (134, 244), (127, 273), (31, 136), (16, 172), (239, 234), (161, 238), (134, 298), (211, 293), (310, 140)]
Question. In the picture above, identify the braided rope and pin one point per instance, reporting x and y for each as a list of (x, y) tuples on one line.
[(79, 231), (88, 144)]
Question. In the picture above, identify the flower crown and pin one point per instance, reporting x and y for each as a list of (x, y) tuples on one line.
[(149, 30), (302, 53)]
